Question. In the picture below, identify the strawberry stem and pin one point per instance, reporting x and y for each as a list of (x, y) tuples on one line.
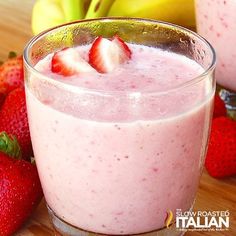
[(9, 145), (12, 54)]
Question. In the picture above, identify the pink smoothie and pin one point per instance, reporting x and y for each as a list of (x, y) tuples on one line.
[(116, 166), (216, 21)]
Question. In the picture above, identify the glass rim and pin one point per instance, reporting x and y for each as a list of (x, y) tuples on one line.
[(77, 89)]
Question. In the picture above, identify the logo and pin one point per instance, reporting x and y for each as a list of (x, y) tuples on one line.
[(169, 218), (202, 220)]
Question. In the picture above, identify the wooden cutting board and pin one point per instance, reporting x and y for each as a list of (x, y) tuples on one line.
[(213, 194)]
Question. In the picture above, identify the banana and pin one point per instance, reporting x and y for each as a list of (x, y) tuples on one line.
[(49, 13), (180, 12), (46, 14), (73, 9), (86, 5), (98, 8)]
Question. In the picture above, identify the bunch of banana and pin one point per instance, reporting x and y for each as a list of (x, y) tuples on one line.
[(49, 13)]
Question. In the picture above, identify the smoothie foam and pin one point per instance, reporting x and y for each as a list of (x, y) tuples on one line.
[(121, 167)]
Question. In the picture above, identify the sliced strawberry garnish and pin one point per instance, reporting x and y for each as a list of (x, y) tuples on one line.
[(105, 55), (68, 62), (124, 47)]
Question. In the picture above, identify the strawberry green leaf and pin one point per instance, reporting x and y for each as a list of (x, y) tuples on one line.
[(12, 54), (9, 145)]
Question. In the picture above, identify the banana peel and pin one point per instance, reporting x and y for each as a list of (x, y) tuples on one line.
[(46, 14), (179, 12), (98, 8), (50, 13)]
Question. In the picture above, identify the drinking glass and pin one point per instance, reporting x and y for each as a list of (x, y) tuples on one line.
[(216, 21), (117, 162)]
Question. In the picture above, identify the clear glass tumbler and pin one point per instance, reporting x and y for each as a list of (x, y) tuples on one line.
[(216, 21), (116, 162)]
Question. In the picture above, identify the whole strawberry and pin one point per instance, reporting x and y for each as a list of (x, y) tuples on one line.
[(219, 107), (11, 74), (20, 189), (221, 156), (14, 120)]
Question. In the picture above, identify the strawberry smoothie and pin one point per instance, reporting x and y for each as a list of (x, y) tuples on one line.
[(216, 21), (115, 151)]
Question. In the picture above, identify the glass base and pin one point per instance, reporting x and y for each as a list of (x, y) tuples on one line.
[(229, 98), (62, 228)]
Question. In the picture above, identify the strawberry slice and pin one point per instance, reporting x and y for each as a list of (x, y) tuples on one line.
[(123, 46), (68, 62), (105, 55)]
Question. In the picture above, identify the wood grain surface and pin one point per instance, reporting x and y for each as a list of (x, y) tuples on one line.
[(15, 29), (212, 194)]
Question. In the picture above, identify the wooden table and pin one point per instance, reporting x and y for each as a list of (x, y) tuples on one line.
[(213, 194)]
